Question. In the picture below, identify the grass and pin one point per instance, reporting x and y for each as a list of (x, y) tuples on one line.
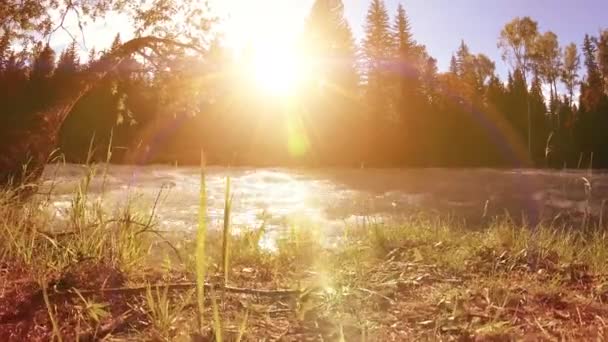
[(164, 312), (425, 279), (200, 252), (226, 233)]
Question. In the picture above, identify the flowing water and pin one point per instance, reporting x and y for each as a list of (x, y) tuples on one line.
[(331, 198)]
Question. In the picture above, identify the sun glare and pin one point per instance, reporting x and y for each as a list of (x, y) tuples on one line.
[(268, 54), (276, 72)]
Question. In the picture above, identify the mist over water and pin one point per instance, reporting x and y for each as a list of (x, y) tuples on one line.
[(332, 198)]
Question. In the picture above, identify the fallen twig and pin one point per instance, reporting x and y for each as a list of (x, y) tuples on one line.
[(187, 286), (542, 329), (62, 234), (106, 329), (374, 293)]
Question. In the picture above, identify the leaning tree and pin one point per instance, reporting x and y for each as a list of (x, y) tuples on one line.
[(166, 34)]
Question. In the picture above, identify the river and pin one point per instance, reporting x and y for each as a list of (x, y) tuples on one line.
[(331, 198)]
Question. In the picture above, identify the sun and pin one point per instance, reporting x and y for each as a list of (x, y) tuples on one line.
[(263, 35), (277, 71)]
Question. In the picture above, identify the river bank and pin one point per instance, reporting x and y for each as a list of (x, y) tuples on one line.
[(119, 275)]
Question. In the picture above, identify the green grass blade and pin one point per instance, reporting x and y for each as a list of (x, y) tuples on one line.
[(243, 327), (50, 310), (226, 233), (200, 247), (217, 322)]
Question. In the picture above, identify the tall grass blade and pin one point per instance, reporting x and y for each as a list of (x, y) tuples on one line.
[(217, 322), (107, 165), (200, 247), (49, 308), (226, 233), (243, 327), (601, 222), (90, 150)]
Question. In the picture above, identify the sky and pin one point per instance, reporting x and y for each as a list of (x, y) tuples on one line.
[(442, 24), (438, 24)]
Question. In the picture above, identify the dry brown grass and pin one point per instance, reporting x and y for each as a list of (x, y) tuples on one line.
[(422, 280)]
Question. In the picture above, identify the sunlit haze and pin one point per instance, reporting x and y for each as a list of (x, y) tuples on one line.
[(276, 70), (303, 170), (438, 24), (249, 28)]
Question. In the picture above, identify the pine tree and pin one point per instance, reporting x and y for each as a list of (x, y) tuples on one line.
[(592, 95), (407, 61), (407, 56), (463, 59), (5, 53), (378, 52), (67, 66), (454, 65), (329, 42), (116, 43), (538, 110), (406, 98), (43, 65), (377, 49), (429, 78), (518, 99), (402, 35), (602, 56), (332, 92), (40, 85), (465, 62), (473, 72), (92, 57), (14, 80), (68, 60), (496, 95), (378, 43), (592, 120)]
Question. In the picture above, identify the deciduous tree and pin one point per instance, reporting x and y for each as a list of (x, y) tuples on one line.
[(570, 66), (162, 30)]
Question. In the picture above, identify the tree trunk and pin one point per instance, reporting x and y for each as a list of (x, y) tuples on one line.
[(25, 149)]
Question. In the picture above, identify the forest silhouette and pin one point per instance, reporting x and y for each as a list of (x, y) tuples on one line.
[(381, 103)]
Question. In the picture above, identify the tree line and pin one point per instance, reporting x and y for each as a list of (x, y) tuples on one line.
[(382, 102)]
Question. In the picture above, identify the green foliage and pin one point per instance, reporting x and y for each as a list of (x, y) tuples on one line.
[(30, 19), (570, 69), (164, 312), (91, 310), (516, 42)]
